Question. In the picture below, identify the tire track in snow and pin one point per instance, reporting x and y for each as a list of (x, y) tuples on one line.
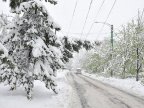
[(75, 99), (139, 99), (110, 96), (80, 92)]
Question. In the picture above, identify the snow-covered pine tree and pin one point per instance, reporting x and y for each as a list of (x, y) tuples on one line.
[(35, 49), (3, 27), (6, 68), (6, 65), (73, 45)]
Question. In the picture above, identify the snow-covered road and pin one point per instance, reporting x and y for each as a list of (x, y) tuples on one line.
[(89, 93)]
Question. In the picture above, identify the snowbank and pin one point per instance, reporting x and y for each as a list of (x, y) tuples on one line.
[(129, 85), (42, 98)]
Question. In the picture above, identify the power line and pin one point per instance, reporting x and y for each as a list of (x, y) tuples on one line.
[(72, 16), (107, 17), (100, 8), (86, 17), (96, 17)]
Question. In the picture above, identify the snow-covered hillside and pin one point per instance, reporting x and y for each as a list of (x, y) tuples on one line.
[(42, 97)]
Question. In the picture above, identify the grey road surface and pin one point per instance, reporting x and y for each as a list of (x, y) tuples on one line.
[(89, 93)]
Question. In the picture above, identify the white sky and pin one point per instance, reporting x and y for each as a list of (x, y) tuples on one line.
[(123, 12)]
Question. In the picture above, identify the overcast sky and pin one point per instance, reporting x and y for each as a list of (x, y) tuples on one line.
[(123, 12)]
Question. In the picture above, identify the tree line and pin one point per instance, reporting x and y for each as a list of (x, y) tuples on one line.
[(127, 57)]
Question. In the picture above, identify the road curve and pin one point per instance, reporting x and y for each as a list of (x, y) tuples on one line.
[(93, 94)]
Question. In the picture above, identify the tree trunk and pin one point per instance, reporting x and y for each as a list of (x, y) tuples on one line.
[(137, 70), (124, 71)]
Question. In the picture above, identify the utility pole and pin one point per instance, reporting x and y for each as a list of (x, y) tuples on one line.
[(112, 45), (112, 48), (112, 36)]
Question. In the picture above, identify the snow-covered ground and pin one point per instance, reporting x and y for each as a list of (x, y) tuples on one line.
[(42, 98), (129, 85)]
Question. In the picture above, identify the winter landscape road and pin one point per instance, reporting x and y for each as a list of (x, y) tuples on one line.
[(89, 93)]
